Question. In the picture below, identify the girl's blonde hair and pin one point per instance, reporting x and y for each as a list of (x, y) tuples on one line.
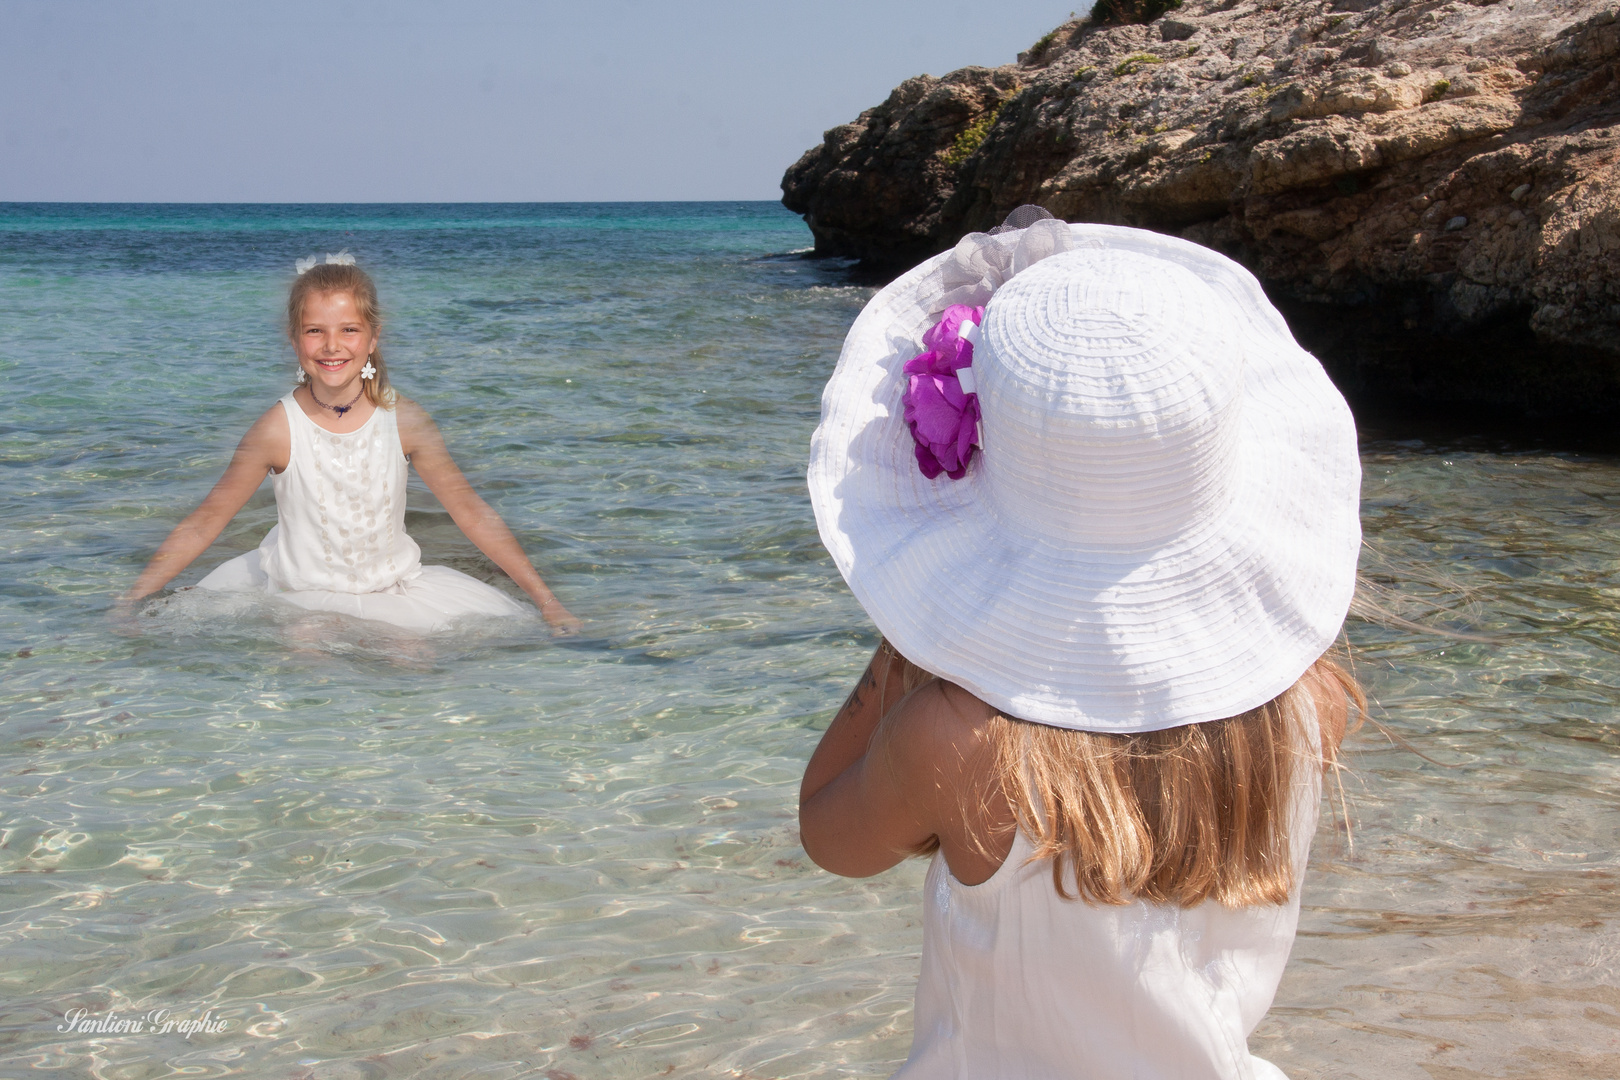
[(326, 278), (1179, 816)]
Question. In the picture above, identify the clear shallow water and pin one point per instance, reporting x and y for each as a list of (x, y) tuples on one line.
[(496, 854)]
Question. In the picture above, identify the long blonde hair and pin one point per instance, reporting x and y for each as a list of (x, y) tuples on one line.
[(1180, 816), (345, 277)]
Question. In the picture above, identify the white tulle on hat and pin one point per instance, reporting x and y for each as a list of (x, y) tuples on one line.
[(1161, 527)]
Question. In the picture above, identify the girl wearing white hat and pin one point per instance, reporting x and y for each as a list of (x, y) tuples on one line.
[(1107, 524)]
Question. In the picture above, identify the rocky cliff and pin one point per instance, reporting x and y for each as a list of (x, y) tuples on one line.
[(1428, 189)]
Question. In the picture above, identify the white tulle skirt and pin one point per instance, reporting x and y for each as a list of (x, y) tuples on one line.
[(431, 600)]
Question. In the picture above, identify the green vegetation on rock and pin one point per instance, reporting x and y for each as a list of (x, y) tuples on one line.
[(1136, 62), (971, 137)]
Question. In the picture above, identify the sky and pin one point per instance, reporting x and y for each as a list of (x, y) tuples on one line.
[(465, 101)]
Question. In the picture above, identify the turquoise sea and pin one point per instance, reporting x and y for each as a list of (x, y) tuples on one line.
[(499, 854)]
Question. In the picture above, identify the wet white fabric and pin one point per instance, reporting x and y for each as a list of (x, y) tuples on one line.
[(340, 544), (1019, 984)]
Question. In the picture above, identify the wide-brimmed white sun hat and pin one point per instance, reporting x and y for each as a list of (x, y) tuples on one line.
[(1159, 525)]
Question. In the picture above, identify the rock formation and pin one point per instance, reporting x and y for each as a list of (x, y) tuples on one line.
[(1428, 188)]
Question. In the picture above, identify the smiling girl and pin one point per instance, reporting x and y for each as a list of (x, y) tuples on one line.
[(336, 449)]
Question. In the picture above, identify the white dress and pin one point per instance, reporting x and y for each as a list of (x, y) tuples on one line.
[(1020, 984), (339, 543)]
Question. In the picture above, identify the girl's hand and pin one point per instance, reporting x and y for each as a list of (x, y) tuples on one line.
[(560, 618), (121, 617)]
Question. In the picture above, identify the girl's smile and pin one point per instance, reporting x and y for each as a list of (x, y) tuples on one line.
[(334, 341)]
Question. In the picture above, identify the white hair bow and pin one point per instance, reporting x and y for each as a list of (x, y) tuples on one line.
[(341, 258)]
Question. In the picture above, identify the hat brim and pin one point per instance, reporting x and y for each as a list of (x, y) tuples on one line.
[(1210, 624)]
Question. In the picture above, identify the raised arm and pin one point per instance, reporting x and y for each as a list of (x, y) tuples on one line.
[(897, 772), (266, 447), (879, 689), (420, 439)]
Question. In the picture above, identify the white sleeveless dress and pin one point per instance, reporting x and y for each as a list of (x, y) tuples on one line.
[(339, 543), (1019, 984)]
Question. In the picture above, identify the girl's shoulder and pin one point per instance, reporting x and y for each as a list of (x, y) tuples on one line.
[(409, 415), (274, 421), (936, 737), (417, 433), (269, 440)]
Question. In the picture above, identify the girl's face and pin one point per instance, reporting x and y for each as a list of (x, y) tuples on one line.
[(333, 341)]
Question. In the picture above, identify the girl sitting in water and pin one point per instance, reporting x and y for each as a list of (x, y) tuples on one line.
[(1102, 700), (336, 449)]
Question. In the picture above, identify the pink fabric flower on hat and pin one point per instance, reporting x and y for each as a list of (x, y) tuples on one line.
[(942, 416)]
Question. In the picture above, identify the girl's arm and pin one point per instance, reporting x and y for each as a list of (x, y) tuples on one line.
[(420, 440), (880, 688), (895, 773), (266, 447)]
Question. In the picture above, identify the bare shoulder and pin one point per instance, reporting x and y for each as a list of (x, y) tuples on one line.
[(943, 755), (410, 413), (416, 429), (937, 733), (272, 419), (269, 440)]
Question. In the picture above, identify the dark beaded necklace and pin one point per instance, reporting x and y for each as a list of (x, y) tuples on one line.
[(339, 409)]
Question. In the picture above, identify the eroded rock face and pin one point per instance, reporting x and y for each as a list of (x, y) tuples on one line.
[(1429, 189), (875, 188)]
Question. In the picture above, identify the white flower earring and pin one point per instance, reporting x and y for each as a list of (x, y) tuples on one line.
[(368, 372), (302, 378)]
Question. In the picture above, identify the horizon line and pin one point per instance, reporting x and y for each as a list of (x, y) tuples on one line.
[(373, 202)]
